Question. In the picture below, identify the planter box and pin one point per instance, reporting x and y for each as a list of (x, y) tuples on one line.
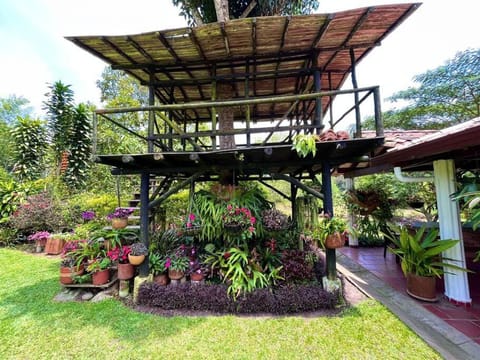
[(54, 246)]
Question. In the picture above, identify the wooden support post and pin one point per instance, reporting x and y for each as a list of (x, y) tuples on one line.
[(328, 209), (144, 211), (213, 110), (293, 200), (151, 113), (318, 101), (378, 111), (94, 133), (358, 119), (247, 112), (330, 105)]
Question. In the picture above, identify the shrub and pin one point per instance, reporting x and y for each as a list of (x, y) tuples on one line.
[(284, 300), (295, 267), (101, 204), (39, 213)]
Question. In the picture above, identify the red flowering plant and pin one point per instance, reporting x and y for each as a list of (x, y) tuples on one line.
[(239, 220), (119, 254), (192, 224)]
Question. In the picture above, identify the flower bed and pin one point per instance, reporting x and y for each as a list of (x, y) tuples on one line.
[(283, 300)]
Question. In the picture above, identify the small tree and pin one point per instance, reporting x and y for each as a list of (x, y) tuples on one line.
[(30, 146), (79, 144)]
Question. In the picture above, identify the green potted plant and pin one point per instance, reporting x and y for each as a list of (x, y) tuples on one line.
[(305, 144), (177, 263), (421, 260), (69, 270), (331, 232), (138, 251), (158, 268), (100, 270)]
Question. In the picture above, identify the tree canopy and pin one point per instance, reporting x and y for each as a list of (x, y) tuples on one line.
[(446, 95), (206, 11)]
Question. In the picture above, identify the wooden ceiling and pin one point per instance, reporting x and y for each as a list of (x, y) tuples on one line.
[(266, 55)]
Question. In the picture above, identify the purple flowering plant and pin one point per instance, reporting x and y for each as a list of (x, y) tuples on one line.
[(39, 236), (120, 213), (88, 215)]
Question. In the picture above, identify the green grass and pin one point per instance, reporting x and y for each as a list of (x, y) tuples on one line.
[(33, 326)]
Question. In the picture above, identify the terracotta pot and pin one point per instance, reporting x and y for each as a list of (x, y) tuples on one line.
[(161, 279), (422, 287), (125, 271), (101, 277), (196, 277), (136, 259), (175, 274), (54, 246), (334, 241), (119, 223), (67, 274)]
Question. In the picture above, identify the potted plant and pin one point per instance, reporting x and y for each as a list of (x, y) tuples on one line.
[(138, 251), (119, 217), (196, 270), (331, 232), (421, 260), (239, 220), (100, 270), (177, 263), (305, 144), (69, 270), (158, 268), (40, 239), (55, 242), (275, 220), (119, 254), (88, 215), (192, 225)]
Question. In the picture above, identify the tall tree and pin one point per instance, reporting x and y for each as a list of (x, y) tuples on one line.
[(80, 143), (30, 145), (59, 107)]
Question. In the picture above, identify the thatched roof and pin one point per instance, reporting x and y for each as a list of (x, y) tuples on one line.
[(276, 54)]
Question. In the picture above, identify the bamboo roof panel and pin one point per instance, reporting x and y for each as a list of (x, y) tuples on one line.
[(277, 51)]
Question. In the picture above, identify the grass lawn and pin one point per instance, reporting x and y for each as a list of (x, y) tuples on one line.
[(32, 326)]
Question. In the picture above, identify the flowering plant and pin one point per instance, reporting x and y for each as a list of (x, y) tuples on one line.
[(192, 221), (120, 213), (119, 254), (71, 247), (88, 215), (39, 236), (241, 218)]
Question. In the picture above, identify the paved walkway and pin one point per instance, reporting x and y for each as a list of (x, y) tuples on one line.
[(454, 331)]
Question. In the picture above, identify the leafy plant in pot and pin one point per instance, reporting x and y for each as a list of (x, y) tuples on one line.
[(119, 217), (138, 251), (69, 270), (158, 269), (177, 263), (421, 260), (119, 254), (275, 220), (331, 232), (100, 269)]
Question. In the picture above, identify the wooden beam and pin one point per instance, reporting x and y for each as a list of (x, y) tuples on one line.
[(177, 188), (248, 9), (297, 183)]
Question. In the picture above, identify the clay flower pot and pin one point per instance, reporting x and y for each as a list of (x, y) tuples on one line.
[(334, 241), (119, 223), (125, 271), (101, 277), (196, 276), (136, 259), (67, 273), (161, 279), (175, 274)]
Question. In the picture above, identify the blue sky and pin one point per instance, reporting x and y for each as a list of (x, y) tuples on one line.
[(33, 51)]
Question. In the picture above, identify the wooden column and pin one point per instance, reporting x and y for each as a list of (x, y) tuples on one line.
[(318, 101), (358, 119), (352, 237), (144, 196), (328, 209), (151, 113), (456, 282)]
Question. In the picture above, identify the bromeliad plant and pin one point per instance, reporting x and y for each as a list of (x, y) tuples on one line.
[(119, 254), (421, 255)]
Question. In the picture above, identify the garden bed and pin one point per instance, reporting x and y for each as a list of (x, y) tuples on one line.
[(213, 298)]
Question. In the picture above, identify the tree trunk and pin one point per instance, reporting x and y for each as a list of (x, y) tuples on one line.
[(221, 8), (225, 116)]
